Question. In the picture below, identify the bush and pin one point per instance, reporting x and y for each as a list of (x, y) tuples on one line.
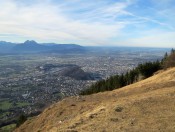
[(21, 120)]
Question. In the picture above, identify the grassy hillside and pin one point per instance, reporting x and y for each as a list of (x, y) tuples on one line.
[(144, 106)]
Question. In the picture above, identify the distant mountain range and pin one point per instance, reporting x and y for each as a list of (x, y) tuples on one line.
[(34, 47)]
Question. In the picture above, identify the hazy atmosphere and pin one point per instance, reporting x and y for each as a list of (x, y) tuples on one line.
[(87, 65), (143, 23)]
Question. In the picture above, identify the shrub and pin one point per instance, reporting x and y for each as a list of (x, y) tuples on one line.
[(21, 120)]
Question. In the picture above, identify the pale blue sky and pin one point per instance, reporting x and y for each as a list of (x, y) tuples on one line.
[(145, 23)]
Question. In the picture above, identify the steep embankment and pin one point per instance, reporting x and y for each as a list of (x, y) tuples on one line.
[(148, 105)]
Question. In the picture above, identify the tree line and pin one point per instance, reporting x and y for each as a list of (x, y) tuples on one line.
[(142, 71)]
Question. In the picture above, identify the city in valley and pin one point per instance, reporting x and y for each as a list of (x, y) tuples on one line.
[(30, 82)]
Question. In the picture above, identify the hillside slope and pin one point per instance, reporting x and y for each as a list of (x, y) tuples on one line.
[(148, 105)]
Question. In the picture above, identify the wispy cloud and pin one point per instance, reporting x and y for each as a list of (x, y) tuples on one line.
[(46, 21), (86, 22)]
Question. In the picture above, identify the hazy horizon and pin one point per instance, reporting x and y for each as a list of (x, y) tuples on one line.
[(113, 23), (101, 46)]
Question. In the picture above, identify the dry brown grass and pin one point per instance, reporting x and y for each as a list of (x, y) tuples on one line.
[(146, 106)]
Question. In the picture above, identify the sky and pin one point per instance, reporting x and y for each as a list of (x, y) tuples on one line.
[(140, 23)]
